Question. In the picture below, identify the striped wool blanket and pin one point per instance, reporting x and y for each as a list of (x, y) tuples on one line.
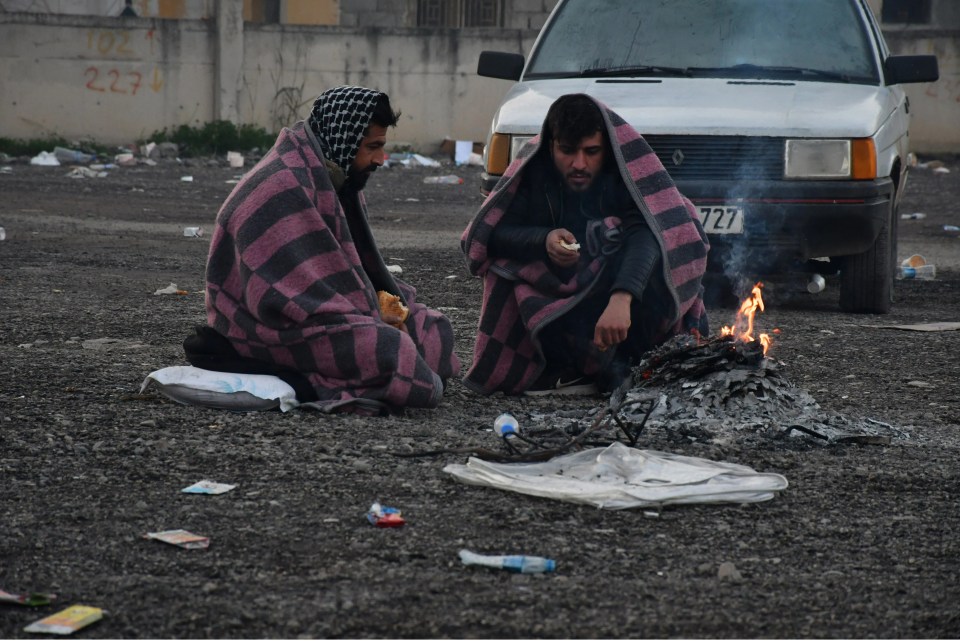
[(520, 299), (288, 284)]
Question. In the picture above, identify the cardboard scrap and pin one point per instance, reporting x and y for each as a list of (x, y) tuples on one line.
[(66, 621), (208, 487), (180, 538)]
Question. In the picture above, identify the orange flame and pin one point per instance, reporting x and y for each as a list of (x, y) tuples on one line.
[(742, 328)]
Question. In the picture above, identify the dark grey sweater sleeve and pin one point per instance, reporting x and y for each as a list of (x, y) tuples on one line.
[(641, 255), (514, 236)]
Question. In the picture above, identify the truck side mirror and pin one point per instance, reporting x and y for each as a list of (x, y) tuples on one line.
[(500, 64), (904, 69)]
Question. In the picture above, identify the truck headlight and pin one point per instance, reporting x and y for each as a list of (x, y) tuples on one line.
[(501, 150), (826, 159), (516, 142)]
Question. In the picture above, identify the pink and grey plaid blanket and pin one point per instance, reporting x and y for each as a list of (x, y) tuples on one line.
[(520, 299), (286, 284)]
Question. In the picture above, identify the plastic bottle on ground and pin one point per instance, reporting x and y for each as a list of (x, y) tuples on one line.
[(514, 563), (65, 155), (506, 424), (921, 272)]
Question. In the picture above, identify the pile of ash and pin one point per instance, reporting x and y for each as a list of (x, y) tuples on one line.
[(715, 391)]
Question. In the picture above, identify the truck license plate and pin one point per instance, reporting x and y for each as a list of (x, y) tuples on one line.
[(721, 219)]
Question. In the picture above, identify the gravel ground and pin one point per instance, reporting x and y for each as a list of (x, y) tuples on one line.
[(862, 544)]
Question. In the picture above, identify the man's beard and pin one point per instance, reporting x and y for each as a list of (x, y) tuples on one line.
[(579, 186), (358, 179)]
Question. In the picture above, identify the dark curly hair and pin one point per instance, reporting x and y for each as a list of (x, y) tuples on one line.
[(572, 118)]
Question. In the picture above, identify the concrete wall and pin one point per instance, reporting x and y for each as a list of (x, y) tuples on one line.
[(120, 80), (116, 81)]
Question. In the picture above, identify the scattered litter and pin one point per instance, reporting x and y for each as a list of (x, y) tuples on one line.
[(923, 272), (6, 169), (383, 517), (45, 159), (235, 158), (922, 384), (3, 233), (424, 161), (193, 232), (86, 172), (462, 151), (104, 344), (913, 216), (451, 276), (506, 424), (186, 179), (514, 563), (32, 600), (65, 155), (180, 538), (125, 159), (411, 200), (729, 572), (916, 266), (951, 229), (395, 269), (208, 487), (148, 149), (66, 621), (171, 289), (921, 327), (941, 170), (443, 180)]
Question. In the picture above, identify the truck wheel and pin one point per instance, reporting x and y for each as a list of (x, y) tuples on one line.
[(866, 280)]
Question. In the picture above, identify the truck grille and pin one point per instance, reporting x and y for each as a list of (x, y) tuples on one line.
[(720, 157)]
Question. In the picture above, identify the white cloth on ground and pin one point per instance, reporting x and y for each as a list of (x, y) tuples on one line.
[(618, 477)]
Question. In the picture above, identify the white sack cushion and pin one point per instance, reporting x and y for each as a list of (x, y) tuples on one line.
[(221, 390)]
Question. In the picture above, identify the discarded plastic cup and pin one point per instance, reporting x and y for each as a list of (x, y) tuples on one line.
[(914, 261), (193, 232)]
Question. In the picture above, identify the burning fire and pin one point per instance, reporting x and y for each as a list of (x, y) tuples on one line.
[(742, 328)]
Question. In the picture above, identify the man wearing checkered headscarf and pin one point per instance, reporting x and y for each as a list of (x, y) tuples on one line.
[(338, 120), (293, 273)]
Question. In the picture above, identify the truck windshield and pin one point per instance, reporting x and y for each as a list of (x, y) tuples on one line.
[(824, 40)]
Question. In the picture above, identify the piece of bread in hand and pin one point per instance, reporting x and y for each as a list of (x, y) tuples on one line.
[(390, 305)]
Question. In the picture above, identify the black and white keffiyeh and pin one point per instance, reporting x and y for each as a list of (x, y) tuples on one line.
[(339, 118)]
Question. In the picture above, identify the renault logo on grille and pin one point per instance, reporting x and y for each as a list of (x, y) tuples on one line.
[(677, 157)]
